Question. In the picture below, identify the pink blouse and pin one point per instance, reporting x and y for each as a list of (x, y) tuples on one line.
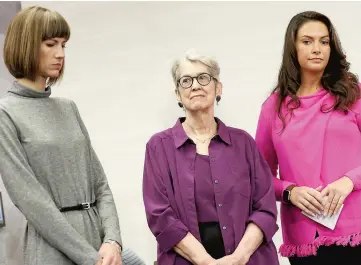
[(315, 149)]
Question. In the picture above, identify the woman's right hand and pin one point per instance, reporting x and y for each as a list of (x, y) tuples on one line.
[(99, 262), (308, 200)]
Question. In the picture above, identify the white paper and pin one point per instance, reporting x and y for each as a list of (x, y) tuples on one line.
[(329, 222)]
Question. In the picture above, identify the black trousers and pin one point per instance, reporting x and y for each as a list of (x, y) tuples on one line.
[(331, 255), (211, 239)]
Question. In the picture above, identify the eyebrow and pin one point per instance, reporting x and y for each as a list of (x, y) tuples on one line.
[(197, 74), (326, 36), (56, 41)]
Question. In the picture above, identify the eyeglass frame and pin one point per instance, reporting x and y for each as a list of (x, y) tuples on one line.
[(196, 77)]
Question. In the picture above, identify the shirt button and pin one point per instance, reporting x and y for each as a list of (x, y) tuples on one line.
[(224, 227), (213, 159), (228, 250), (220, 205), (216, 181)]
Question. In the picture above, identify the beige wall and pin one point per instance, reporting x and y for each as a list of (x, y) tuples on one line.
[(118, 73)]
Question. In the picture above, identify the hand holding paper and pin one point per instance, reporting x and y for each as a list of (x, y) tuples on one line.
[(336, 192), (326, 220)]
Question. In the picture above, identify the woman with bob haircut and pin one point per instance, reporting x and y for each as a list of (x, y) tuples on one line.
[(310, 128), (47, 164)]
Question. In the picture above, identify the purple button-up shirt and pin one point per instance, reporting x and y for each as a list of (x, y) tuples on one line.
[(242, 184)]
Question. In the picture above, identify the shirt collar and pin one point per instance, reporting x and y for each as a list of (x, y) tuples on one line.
[(24, 91), (180, 136)]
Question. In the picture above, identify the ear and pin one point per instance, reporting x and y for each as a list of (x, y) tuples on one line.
[(219, 88), (177, 94)]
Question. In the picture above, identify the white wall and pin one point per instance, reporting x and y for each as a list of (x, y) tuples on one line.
[(118, 73), (13, 217)]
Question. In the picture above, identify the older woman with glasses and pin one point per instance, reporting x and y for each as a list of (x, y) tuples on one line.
[(208, 193)]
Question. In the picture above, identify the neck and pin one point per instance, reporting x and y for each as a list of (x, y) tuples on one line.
[(202, 122), (39, 84), (310, 83)]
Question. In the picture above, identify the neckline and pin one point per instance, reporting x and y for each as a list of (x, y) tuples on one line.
[(317, 93), (24, 91)]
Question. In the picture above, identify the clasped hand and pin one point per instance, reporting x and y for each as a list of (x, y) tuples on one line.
[(313, 201)]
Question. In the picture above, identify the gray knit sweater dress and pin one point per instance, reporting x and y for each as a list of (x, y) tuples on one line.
[(47, 162)]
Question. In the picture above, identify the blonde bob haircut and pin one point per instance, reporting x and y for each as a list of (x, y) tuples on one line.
[(28, 29)]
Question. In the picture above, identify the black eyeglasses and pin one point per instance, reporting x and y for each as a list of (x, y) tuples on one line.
[(203, 79)]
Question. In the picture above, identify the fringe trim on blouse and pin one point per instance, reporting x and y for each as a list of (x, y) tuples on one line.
[(311, 249)]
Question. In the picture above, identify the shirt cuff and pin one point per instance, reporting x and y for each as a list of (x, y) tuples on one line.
[(171, 235), (355, 176), (266, 223)]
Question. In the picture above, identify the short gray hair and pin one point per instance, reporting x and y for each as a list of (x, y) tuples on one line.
[(192, 56)]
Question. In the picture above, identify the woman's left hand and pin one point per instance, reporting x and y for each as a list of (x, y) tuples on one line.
[(110, 254), (336, 192), (231, 260)]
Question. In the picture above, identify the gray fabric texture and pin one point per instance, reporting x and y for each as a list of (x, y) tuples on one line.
[(130, 258), (47, 162)]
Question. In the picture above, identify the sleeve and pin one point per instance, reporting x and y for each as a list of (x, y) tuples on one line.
[(104, 197), (162, 220), (265, 145), (264, 209), (355, 174), (129, 257), (34, 201)]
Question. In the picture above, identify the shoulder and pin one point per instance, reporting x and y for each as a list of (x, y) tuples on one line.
[(66, 105), (10, 106), (159, 137), (270, 103), (5, 103), (7, 109), (240, 136), (63, 101), (238, 133)]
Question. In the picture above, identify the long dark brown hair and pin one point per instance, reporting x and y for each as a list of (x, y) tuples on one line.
[(336, 79)]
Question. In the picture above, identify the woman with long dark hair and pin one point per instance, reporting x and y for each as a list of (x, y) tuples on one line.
[(309, 128)]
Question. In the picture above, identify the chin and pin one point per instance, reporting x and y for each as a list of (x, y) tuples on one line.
[(198, 107), (316, 68), (53, 73)]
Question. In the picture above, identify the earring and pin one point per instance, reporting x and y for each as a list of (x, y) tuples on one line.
[(180, 104), (218, 99)]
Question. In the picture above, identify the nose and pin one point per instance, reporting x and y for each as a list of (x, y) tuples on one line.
[(195, 84), (60, 53), (316, 48)]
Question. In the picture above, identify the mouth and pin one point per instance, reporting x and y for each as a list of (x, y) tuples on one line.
[(316, 59), (197, 96), (57, 65)]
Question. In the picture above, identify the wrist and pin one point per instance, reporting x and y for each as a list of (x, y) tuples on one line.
[(286, 196), (242, 255), (350, 181), (115, 243), (202, 259)]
